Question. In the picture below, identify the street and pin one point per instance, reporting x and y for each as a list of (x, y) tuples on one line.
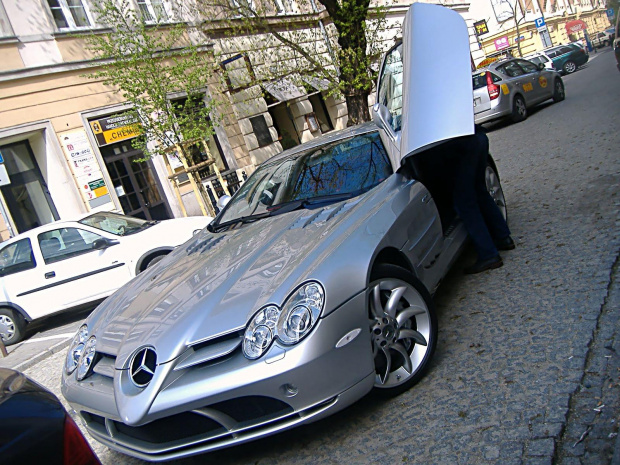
[(526, 367)]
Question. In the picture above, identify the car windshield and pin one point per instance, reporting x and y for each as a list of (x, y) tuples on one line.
[(114, 223), (328, 173)]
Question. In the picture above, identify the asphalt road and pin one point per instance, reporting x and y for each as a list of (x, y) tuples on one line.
[(526, 370)]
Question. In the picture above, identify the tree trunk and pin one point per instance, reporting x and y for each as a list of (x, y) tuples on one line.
[(357, 106)]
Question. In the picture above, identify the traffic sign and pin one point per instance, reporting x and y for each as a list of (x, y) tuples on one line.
[(610, 12), (539, 22)]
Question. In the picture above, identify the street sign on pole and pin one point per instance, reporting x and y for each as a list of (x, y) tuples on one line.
[(540, 23), (610, 13)]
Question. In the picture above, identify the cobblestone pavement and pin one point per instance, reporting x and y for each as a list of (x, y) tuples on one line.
[(527, 352)]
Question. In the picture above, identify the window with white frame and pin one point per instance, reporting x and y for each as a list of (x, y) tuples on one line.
[(153, 11), (70, 14)]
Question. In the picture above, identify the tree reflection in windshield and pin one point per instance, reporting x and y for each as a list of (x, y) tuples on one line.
[(348, 166)]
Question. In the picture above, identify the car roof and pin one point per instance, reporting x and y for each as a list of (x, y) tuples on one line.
[(47, 227)]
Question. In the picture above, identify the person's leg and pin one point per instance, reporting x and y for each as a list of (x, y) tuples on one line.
[(466, 198), (493, 218)]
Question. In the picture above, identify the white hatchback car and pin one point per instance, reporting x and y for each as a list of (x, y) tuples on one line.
[(68, 264)]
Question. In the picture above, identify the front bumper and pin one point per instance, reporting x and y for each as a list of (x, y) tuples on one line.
[(205, 408)]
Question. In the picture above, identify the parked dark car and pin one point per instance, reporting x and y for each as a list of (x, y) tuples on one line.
[(567, 58), (35, 428)]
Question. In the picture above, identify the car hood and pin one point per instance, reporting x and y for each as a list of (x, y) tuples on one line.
[(214, 283)]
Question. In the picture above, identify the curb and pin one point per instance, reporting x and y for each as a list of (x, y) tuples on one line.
[(42, 355)]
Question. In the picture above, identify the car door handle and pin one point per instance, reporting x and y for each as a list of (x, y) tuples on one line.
[(426, 198), (51, 274)]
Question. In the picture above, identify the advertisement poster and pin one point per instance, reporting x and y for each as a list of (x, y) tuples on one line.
[(79, 153)]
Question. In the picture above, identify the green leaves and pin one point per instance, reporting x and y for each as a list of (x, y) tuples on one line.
[(151, 65)]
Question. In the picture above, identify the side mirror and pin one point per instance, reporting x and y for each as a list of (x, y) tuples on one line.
[(223, 201), (383, 119), (540, 66), (103, 243)]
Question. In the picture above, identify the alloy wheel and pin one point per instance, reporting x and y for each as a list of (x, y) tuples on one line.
[(401, 327), (7, 328), (570, 67), (495, 190), (521, 108)]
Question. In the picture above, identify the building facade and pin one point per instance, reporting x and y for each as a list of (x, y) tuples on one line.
[(65, 141)]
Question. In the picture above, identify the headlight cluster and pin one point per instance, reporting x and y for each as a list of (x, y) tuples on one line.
[(289, 324), (81, 353)]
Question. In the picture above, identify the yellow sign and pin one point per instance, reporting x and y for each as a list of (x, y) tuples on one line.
[(505, 89), (122, 133), (527, 87), (542, 81), (115, 128)]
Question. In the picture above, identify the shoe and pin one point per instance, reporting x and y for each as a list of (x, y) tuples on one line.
[(505, 244), (488, 264)]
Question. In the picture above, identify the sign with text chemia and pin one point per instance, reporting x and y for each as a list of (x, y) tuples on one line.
[(115, 128)]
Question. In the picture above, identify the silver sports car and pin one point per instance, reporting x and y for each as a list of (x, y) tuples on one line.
[(311, 288)]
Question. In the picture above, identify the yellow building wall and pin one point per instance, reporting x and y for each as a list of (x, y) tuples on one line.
[(11, 59)]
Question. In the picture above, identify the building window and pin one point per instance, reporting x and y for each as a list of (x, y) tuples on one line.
[(153, 11), (70, 14)]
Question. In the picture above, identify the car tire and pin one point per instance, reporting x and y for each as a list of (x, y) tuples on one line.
[(153, 261), (569, 67), (559, 93), (606, 43), (494, 186), (519, 109), (12, 326), (403, 329)]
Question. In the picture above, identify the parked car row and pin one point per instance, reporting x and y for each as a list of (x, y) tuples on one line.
[(562, 58)]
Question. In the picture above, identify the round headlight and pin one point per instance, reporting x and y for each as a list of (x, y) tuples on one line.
[(86, 360), (300, 313), (260, 332), (75, 349)]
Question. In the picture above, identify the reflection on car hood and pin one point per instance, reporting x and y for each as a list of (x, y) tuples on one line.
[(214, 283)]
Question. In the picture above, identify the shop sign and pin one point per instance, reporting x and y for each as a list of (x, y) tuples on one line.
[(93, 189), (575, 25), (502, 43), (79, 152), (115, 128), (481, 27), (519, 39)]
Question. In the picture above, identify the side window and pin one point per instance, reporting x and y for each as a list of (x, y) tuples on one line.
[(16, 257), (64, 243), (564, 50), (512, 69), (391, 85), (527, 66)]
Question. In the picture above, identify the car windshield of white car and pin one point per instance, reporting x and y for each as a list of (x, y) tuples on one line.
[(113, 223), (314, 177)]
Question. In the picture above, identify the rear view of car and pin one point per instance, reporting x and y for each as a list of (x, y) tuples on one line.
[(35, 428), (508, 88)]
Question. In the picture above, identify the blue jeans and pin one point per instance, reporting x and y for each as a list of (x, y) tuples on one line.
[(480, 214)]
